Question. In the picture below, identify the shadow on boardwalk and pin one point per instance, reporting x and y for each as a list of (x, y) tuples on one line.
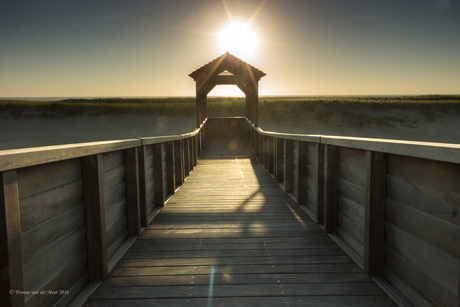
[(231, 237)]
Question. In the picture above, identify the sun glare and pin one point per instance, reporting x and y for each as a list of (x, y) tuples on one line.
[(239, 39)]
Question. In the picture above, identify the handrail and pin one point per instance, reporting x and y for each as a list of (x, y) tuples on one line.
[(446, 152), (17, 158)]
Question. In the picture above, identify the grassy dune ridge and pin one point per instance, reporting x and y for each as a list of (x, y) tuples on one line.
[(356, 111)]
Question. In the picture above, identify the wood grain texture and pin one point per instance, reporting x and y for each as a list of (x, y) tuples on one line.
[(178, 163), (143, 190), (93, 191), (320, 179), (302, 173), (288, 165), (279, 160), (158, 174), (132, 192), (330, 188), (232, 221), (10, 241)]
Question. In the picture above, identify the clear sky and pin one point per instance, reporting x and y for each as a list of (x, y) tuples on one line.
[(306, 47)]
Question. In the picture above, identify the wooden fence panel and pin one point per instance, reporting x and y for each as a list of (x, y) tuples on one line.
[(351, 173), (422, 224), (53, 233)]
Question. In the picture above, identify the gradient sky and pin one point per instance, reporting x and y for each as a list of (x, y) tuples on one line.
[(307, 47)]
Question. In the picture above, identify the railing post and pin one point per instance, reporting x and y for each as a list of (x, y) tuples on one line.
[(279, 160), (256, 144), (197, 150), (319, 183), (289, 165), (93, 193), (330, 189), (10, 242), (271, 155), (170, 168), (178, 164), (302, 173), (132, 192), (374, 213), (186, 158), (142, 187), (158, 176)]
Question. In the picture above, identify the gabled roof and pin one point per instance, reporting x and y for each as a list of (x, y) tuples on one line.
[(230, 63)]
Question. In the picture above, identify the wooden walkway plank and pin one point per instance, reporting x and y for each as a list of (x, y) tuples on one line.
[(232, 237)]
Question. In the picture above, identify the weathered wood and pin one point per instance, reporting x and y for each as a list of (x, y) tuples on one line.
[(143, 189), (288, 166), (374, 213), (440, 203), (302, 173), (158, 173), (186, 158), (319, 210), (40, 207), (40, 178), (93, 192), (112, 160), (354, 174), (19, 158), (271, 155), (42, 237), (54, 261), (178, 163), (170, 168), (247, 231), (441, 271), (330, 188), (279, 160), (10, 241), (132, 192)]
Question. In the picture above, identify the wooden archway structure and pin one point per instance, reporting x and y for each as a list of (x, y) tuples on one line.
[(243, 75)]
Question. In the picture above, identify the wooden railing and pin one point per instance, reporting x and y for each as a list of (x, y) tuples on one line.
[(393, 206), (69, 212)]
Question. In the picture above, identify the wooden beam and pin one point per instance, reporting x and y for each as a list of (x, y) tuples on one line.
[(10, 241), (142, 186), (374, 213), (186, 157), (302, 173), (279, 160), (289, 165), (319, 183), (158, 176), (178, 162), (170, 167), (330, 189), (93, 194), (132, 192), (271, 155)]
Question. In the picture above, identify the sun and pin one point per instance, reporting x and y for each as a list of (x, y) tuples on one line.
[(239, 39)]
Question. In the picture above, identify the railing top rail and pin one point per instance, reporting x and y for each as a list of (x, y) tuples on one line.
[(23, 157), (445, 152), (17, 158)]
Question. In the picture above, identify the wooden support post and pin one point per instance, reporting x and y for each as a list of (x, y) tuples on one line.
[(178, 162), (186, 158), (271, 155), (132, 192), (197, 150), (279, 160), (374, 213), (141, 155), (302, 173), (319, 183), (93, 193), (171, 186), (11, 278), (158, 176), (330, 189), (289, 166), (191, 145)]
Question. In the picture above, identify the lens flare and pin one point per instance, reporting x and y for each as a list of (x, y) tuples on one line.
[(239, 39)]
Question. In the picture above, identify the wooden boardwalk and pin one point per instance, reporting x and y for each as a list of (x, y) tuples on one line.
[(230, 236)]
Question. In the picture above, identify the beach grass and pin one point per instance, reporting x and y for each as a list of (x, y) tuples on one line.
[(351, 110)]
